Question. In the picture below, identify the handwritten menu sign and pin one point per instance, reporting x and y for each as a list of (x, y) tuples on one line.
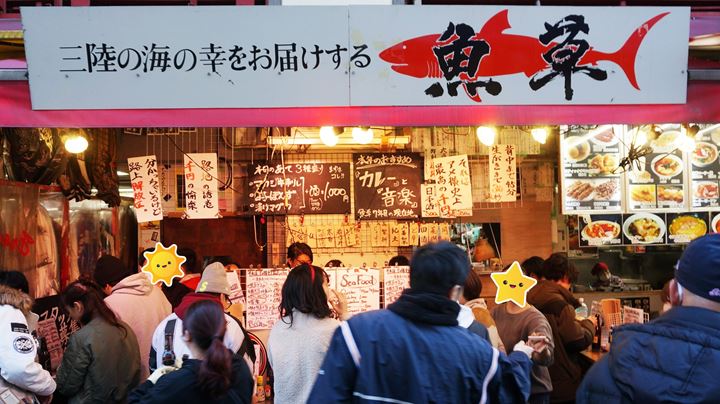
[(395, 280), (429, 200), (305, 188), (686, 227), (236, 293), (597, 230), (387, 186), (589, 170), (705, 170), (264, 289), (503, 171), (413, 233), (431, 153), (633, 315), (55, 326), (146, 188), (452, 179), (201, 191), (361, 288), (659, 181)]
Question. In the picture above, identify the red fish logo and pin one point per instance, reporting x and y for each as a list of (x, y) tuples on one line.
[(509, 54)]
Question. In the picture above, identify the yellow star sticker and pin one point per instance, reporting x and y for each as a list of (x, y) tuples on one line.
[(163, 264), (512, 285)]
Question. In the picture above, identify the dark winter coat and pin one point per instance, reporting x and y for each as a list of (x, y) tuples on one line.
[(569, 335), (675, 358), (181, 386)]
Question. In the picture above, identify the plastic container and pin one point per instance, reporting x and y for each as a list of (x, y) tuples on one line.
[(582, 311)]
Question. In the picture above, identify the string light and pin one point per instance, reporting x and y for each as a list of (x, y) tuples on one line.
[(328, 136)]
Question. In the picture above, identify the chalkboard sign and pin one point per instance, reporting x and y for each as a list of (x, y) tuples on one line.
[(387, 186), (55, 326), (307, 187)]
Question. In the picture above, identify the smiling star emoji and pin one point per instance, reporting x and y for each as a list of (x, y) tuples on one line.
[(512, 285), (163, 264)]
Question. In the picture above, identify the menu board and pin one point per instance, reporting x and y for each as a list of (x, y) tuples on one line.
[(705, 170), (591, 181), (306, 187), (387, 186), (658, 181), (395, 280), (644, 228), (264, 289), (597, 230), (686, 227), (361, 287)]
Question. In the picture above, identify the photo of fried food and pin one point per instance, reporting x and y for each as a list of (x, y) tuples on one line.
[(642, 193), (670, 194), (580, 190), (604, 163)]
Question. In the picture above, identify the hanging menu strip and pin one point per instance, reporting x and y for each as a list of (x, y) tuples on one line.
[(589, 168), (264, 289), (387, 186), (299, 188)]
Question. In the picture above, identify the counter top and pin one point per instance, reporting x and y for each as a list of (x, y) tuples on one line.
[(593, 356)]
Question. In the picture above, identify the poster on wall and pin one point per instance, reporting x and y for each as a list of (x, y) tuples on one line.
[(705, 169), (590, 174), (201, 190), (659, 181), (387, 186), (145, 184)]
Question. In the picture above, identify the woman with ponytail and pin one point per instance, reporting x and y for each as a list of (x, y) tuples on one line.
[(214, 375), (102, 361)]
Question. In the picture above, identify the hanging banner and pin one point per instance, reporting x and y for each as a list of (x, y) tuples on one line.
[(80, 58), (146, 188), (453, 189), (201, 191), (503, 172)]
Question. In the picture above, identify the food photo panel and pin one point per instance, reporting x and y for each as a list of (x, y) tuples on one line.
[(657, 180), (597, 230), (591, 178), (644, 228), (705, 167), (686, 227)]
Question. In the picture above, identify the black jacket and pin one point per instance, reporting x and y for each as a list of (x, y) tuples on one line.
[(570, 336), (181, 386), (675, 358)]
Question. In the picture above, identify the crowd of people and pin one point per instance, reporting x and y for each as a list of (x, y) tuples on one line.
[(438, 342)]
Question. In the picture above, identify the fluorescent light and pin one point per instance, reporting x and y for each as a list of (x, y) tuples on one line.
[(122, 173), (342, 141)]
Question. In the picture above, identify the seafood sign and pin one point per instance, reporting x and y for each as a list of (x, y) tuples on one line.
[(464, 58)]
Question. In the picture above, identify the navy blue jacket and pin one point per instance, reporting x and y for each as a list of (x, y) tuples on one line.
[(401, 361), (675, 358)]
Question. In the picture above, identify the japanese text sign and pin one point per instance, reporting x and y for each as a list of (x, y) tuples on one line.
[(80, 58), (387, 186), (146, 188), (201, 191), (264, 289), (395, 280), (503, 171), (453, 189)]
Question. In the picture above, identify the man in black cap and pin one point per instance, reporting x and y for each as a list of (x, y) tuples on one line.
[(675, 358)]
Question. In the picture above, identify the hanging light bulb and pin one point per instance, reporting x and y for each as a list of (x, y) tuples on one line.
[(328, 136), (539, 134), (486, 135), (362, 135), (75, 143)]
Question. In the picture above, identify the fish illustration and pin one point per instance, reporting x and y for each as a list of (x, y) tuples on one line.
[(509, 53)]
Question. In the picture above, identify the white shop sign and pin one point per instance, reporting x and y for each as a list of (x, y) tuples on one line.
[(243, 57)]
